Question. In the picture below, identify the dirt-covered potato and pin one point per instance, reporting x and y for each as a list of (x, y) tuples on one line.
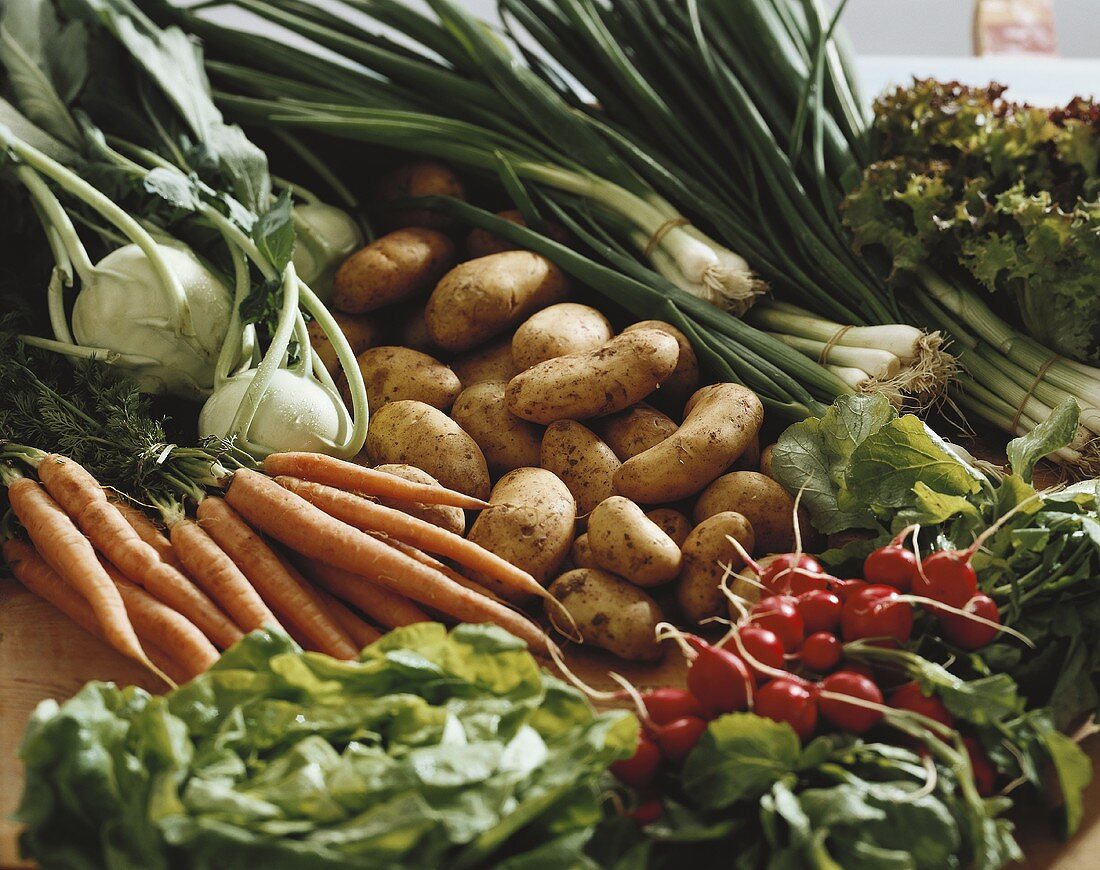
[(707, 556), (745, 586), (418, 178), (684, 380), (750, 459), (766, 460), (611, 613), (766, 504), (507, 441), (626, 542), (561, 329), (635, 430), (392, 374), (482, 243), (597, 382), (581, 554), (530, 524), (489, 364), (673, 523), (583, 462), (412, 330), (453, 519), (719, 424), (360, 330), (414, 433), (482, 298), (397, 266)]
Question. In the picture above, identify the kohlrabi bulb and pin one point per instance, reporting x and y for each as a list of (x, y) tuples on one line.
[(326, 237), (125, 308), (295, 413)]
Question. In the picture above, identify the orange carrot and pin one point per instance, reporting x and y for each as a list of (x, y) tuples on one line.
[(443, 568), (218, 575), (84, 500), (150, 532), (154, 618), (361, 631), (368, 516), (308, 530), (328, 470), (286, 592), (32, 571), (380, 603), (64, 549)]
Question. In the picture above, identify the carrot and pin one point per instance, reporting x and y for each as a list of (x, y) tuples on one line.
[(32, 571), (153, 618), (369, 516), (361, 631), (149, 531), (379, 603), (443, 568), (318, 468), (64, 549), (218, 575), (84, 500), (308, 530), (285, 590)]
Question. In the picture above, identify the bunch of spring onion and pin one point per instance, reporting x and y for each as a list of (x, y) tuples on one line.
[(183, 206)]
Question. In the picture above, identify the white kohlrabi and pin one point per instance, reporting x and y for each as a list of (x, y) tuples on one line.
[(326, 236), (122, 307)]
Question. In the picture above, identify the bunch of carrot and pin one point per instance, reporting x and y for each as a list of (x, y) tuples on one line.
[(300, 545)]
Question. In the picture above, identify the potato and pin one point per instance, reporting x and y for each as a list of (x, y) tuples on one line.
[(766, 504), (507, 441), (418, 178), (453, 519), (750, 459), (635, 430), (684, 380), (581, 554), (602, 381), (395, 267), (721, 422), (482, 298), (561, 329), (672, 523), (392, 374), (707, 554), (489, 364), (766, 460), (414, 433), (482, 243), (530, 524), (412, 331), (611, 613), (626, 542), (360, 331), (583, 462), (746, 585)]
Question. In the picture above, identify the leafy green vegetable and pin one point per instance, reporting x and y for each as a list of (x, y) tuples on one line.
[(435, 748)]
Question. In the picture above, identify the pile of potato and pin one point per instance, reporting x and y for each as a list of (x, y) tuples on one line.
[(614, 477)]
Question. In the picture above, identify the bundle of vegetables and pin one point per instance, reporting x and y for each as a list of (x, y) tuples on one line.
[(431, 749), (182, 204)]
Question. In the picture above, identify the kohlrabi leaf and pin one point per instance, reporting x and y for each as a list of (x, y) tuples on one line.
[(273, 232), (1054, 433)]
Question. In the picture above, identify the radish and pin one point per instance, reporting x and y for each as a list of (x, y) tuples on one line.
[(985, 775), (720, 681), (641, 768), (678, 738), (845, 589), (967, 633), (819, 609), (667, 704), (821, 652), (648, 812), (789, 701), (911, 697), (778, 575), (877, 612), (892, 565), (761, 645), (779, 613), (850, 715), (947, 576)]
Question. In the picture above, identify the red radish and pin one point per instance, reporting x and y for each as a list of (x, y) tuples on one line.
[(946, 576), (779, 613), (648, 812), (876, 611), (679, 737), (720, 681), (910, 697), (781, 571), (789, 701), (666, 704), (855, 718), (821, 652), (985, 775), (861, 668), (806, 582), (761, 645), (641, 768), (845, 589), (819, 609), (892, 565), (968, 633)]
